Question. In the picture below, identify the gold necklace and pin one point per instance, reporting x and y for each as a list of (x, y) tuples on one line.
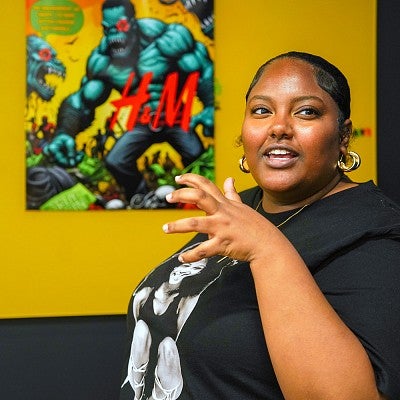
[(288, 218)]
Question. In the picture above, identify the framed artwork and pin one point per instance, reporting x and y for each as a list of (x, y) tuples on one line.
[(120, 100)]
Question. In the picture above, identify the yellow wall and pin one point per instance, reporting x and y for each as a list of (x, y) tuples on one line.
[(84, 263)]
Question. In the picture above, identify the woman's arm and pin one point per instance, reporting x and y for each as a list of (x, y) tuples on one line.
[(314, 354)]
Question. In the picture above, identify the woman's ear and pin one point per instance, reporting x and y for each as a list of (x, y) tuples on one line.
[(345, 136)]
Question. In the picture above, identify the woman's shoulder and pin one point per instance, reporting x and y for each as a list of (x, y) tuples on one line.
[(362, 211), (366, 198), (375, 191), (344, 221)]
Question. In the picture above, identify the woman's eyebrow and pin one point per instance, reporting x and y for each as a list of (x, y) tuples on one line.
[(259, 97), (308, 97), (294, 100)]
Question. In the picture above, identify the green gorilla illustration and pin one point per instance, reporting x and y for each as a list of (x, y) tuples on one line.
[(136, 50)]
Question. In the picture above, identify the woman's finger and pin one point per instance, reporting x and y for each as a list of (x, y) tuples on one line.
[(199, 197), (230, 190), (186, 225), (206, 249), (200, 182)]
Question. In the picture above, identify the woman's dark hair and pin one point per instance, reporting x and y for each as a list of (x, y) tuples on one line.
[(328, 77)]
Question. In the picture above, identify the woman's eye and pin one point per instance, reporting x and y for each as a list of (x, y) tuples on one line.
[(260, 110), (308, 112)]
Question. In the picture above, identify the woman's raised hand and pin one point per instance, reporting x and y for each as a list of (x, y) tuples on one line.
[(234, 229)]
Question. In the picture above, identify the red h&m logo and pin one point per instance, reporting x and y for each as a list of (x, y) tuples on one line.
[(174, 108)]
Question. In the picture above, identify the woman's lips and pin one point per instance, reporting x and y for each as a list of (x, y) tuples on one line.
[(280, 158)]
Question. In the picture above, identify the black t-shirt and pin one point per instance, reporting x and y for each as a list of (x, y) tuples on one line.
[(215, 344)]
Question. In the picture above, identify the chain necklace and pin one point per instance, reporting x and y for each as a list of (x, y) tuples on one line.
[(288, 218)]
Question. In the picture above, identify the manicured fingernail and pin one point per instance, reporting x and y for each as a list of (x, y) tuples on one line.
[(180, 258), (168, 197), (165, 228), (177, 178)]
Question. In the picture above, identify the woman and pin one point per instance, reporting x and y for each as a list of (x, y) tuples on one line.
[(311, 308)]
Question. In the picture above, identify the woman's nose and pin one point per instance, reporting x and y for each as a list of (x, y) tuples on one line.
[(280, 127)]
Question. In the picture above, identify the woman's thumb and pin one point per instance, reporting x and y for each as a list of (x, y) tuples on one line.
[(230, 190)]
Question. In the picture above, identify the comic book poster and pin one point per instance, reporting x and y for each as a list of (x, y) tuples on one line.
[(119, 100)]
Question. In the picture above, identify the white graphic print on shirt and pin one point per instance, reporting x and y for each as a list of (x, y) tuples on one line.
[(162, 303)]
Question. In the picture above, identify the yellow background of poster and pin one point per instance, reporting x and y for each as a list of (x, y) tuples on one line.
[(84, 263)]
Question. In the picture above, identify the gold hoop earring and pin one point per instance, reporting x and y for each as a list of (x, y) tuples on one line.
[(355, 163), (242, 167)]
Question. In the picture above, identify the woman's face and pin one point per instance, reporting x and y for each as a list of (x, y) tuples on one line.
[(290, 132), (187, 269)]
